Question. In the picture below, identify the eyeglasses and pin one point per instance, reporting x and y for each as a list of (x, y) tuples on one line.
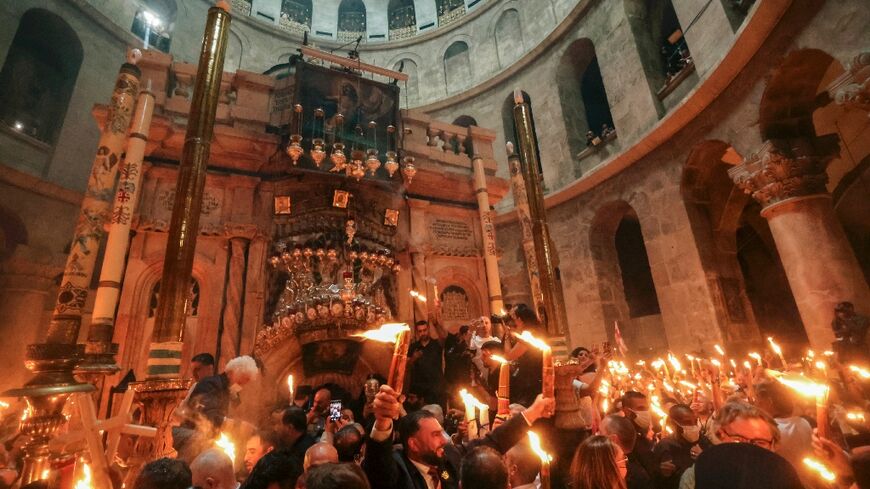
[(759, 442)]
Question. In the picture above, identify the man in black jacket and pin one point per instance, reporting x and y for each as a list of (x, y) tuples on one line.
[(210, 400), (427, 460)]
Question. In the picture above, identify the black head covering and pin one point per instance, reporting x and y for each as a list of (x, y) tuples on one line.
[(743, 466)]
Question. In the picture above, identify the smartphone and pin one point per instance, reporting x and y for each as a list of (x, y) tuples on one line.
[(335, 410)]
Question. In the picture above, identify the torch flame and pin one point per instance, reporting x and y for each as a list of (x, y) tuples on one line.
[(420, 297), (862, 372), (225, 444), (86, 482), (801, 385), (820, 468), (855, 416), (470, 400), (535, 443), (688, 384), (4, 404), (756, 357), (747, 365), (773, 346), (719, 350), (290, 386), (388, 333), (499, 359), (673, 361), (536, 342), (820, 365), (715, 362)]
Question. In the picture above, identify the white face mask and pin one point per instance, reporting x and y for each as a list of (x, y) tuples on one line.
[(643, 419), (691, 433)]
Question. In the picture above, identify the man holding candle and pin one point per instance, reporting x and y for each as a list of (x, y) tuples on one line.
[(677, 452), (424, 365), (796, 434), (427, 460)]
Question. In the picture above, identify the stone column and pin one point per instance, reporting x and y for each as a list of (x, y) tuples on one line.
[(787, 177), (229, 339), (521, 203), (418, 248)]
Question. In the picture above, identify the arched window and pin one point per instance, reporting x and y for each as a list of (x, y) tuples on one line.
[(583, 98), (449, 10), (664, 54), (402, 19), (637, 281), (457, 67), (411, 96), (39, 75), (154, 22), (508, 37), (296, 15), (465, 121), (351, 20)]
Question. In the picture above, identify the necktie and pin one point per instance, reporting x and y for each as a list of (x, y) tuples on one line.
[(436, 478)]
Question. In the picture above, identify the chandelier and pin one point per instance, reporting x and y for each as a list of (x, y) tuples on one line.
[(333, 278), (358, 160)]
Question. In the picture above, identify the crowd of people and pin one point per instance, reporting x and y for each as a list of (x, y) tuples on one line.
[(645, 427)]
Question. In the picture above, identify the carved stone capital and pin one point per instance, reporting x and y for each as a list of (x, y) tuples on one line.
[(852, 88), (786, 168), (240, 230)]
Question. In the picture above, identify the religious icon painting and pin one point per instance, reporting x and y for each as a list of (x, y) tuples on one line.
[(340, 198), (282, 205), (391, 217)]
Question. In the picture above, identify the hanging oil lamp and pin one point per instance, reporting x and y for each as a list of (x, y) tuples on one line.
[(294, 148), (318, 150), (391, 165), (338, 158), (372, 161), (408, 169)]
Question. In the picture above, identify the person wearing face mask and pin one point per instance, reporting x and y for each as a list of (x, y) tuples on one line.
[(635, 407), (677, 452)]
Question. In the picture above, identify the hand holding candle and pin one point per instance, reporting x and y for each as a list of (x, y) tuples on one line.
[(806, 387), (400, 334), (504, 386), (776, 349), (549, 372), (535, 443)]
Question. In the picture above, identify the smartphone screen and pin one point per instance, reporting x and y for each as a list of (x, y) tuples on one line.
[(335, 410)]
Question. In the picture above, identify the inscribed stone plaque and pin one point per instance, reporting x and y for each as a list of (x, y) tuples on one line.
[(451, 232)]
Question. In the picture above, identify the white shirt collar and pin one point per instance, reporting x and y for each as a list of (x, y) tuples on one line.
[(424, 470)]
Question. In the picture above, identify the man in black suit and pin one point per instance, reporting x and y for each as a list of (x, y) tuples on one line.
[(427, 460)]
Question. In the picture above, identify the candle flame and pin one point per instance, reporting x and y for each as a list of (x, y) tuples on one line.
[(388, 333), (499, 359), (732, 362), (811, 354), (226, 445), (773, 346), (86, 482), (469, 400), (536, 342), (747, 365), (290, 384), (715, 362), (688, 384), (801, 385), (820, 468), (828, 353), (756, 357), (420, 297), (45, 474), (535, 443), (4, 404), (855, 416), (691, 358), (673, 360), (820, 365), (719, 350), (862, 372)]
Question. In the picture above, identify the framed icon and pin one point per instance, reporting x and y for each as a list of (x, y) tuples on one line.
[(340, 198), (282, 205), (391, 217)]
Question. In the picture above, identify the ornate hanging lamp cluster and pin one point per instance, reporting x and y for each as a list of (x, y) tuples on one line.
[(360, 159)]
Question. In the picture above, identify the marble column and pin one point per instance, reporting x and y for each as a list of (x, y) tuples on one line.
[(490, 259), (233, 309), (788, 177), (418, 248)]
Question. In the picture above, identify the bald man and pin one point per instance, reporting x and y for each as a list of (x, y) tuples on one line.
[(212, 469), (523, 466), (318, 454)]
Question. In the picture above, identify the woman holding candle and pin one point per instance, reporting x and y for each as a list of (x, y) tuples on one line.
[(598, 463)]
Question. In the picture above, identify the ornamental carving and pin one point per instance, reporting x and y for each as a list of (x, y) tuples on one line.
[(852, 88), (784, 169)]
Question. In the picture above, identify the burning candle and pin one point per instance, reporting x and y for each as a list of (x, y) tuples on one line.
[(86, 481), (290, 387), (420, 297), (475, 423), (755, 356), (806, 387), (504, 386), (719, 350), (549, 372), (861, 372), (227, 446), (535, 443), (820, 468), (691, 360), (776, 349), (398, 333)]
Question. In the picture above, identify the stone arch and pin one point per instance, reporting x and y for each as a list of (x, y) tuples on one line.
[(155, 20), (140, 322), (465, 121), (626, 288), (582, 94), (454, 276), (508, 37), (741, 268), (793, 92), (351, 20), (39, 75), (654, 27), (411, 86), (457, 67)]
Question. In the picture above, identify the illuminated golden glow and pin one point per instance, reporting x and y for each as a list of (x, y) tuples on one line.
[(290, 385), (86, 482), (862, 372), (536, 342), (499, 359), (469, 400), (719, 350), (388, 333), (673, 361), (535, 443), (820, 468), (773, 346), (855, 416), (420, 297), (755, 356), (800, 384), (227, 446)]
